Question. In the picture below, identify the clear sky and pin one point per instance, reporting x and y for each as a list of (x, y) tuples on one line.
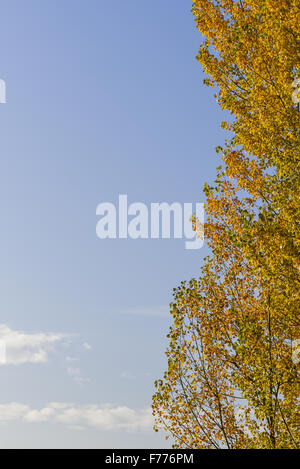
[(103, 98)]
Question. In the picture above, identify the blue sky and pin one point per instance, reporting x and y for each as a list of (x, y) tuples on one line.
[(103, 98)]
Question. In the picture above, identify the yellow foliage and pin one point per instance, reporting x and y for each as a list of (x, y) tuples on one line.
[(231, 381)]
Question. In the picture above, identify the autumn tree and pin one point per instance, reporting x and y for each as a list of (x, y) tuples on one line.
[(231, 381)]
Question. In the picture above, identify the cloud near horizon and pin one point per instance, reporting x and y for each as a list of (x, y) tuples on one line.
[(102, 417)]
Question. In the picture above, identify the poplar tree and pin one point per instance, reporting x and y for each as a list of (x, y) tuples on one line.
[(231, 380)]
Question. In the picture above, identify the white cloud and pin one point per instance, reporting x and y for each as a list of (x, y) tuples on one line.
[(73, 371), (107, 417), (76, 374), (39, 415), (13, 411), (71, 359), (87, 346), (102, 417), (22, 347)]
